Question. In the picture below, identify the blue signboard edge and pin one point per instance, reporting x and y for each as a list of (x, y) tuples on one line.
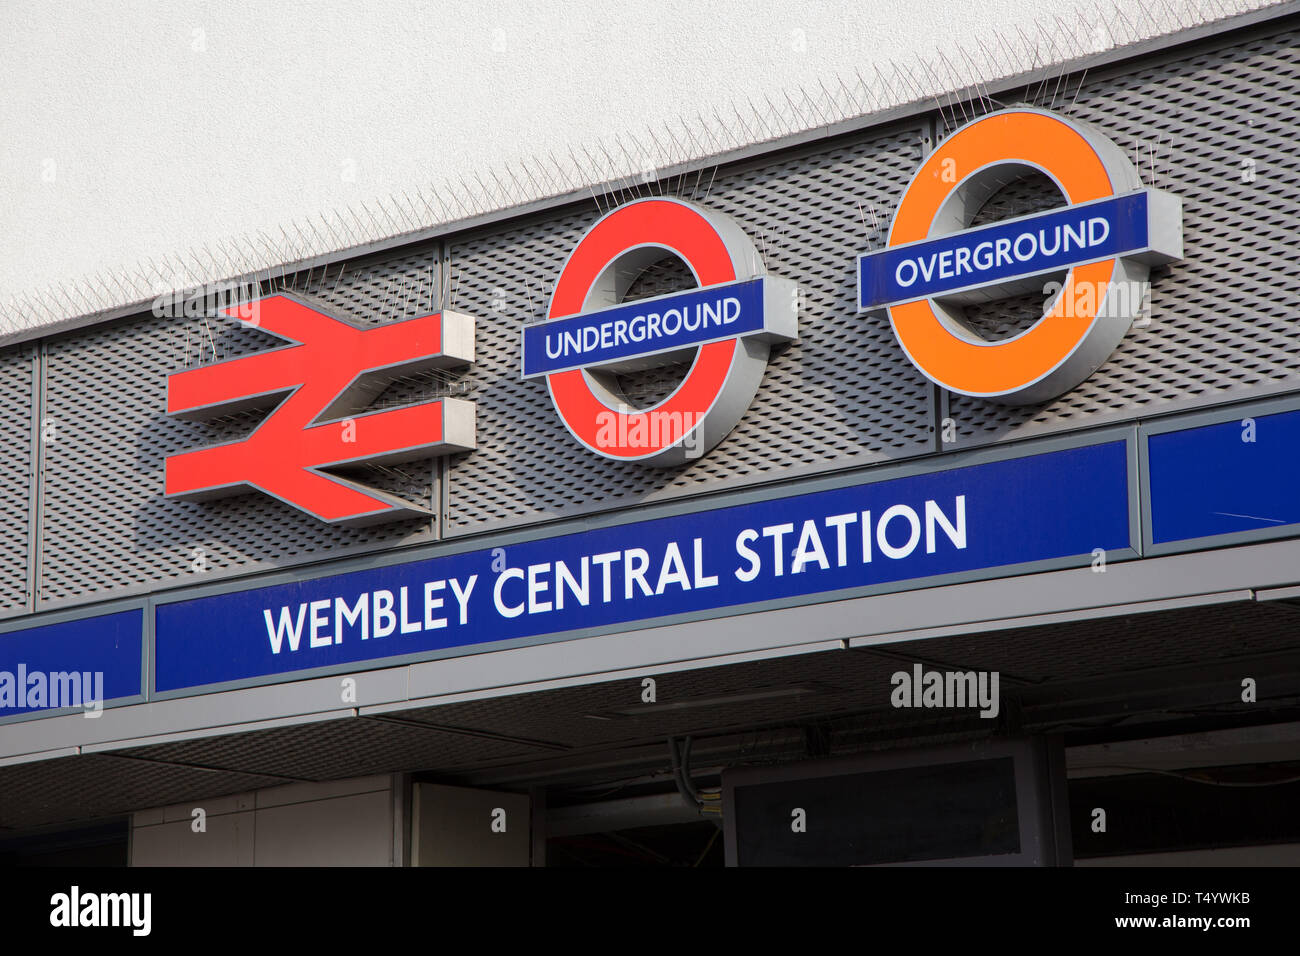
[(74, 615), (1206, 419), (1120, 433)]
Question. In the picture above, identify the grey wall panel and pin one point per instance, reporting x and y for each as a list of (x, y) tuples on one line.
[(1222, 327), (843, 394), (305, 824), (1223, 323), (17, 384), (105, 524)]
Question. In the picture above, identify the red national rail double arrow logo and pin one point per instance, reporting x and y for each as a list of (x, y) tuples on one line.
[(320, 384)]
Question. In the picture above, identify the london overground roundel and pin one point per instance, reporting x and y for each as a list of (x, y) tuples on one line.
[(1105, 239)]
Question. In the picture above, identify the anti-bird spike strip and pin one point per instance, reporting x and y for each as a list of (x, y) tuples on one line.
[(90, 295)]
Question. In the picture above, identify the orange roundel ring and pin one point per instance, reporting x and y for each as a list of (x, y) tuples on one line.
[(989, 369)]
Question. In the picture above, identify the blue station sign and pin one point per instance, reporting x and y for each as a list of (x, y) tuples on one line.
[(831, 543)]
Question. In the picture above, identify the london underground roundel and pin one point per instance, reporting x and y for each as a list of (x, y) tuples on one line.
[(1105, 238), (724, 329)]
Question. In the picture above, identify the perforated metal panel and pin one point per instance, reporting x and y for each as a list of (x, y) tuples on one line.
[(1223, 327), (1225, 323), (840, 395), (335, 749), (106, 526), (16, 384)]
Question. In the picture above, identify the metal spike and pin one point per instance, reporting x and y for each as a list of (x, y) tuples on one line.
[(974, 76), (850, 101), (577, 166), (951, 85), (388, 226), (520, 191), (401, 216), (715, 145), (795, 115), (884, 84), (375, 229), (1132, 28), (709, 191), (463, 196), (536, 191), (937, 87), (758, 118), (814, 110), (1075, 98), (443, 203), (778, 129)]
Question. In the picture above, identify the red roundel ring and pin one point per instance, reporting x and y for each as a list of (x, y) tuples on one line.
[(724, 375)]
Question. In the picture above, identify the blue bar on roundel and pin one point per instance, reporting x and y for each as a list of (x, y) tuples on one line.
[(625, 335), (1004, 251)]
